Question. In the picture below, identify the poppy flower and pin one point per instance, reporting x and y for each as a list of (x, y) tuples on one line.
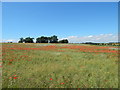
[(15, 77), (10, 77), (51, 79), (61, 83)]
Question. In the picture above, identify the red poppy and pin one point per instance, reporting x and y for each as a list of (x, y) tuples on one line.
[(61, 83), (51, 79), (15, 77)]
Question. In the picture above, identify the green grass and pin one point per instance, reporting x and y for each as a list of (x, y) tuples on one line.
[(67, 69)]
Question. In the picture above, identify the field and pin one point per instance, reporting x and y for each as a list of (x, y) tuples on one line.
[(27, 65)]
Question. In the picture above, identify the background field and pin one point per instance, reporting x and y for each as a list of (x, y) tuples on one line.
[(59, 66)]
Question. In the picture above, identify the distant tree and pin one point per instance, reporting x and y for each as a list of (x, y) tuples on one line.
[(28, 40), (45, 39), (49, 39), (38, 40), (63, 41), (88, 43), (21, 40), (53, 39), (42, 39), (10, 42)]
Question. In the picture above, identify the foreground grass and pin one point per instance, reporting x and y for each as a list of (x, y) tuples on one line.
[(53, 69)]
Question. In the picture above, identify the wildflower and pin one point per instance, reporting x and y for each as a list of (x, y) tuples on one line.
[(51, 79), (10, 77), (15, 77), (11, 60), (61, 83)]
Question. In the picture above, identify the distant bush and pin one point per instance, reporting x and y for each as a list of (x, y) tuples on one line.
[(63, 41)]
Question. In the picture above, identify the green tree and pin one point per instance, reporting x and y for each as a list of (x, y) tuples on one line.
[(63, 41), (42, 39), (28, 40), (53, 39), (49, 38), (21, 40)]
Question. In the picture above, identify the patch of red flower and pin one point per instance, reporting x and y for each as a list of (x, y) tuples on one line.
[(90, 49), (51, 79), (50, 47), (62, 83), (14, 77), (11, 60)]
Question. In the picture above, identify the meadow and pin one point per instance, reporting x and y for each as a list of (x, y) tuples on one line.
[(26, 65)]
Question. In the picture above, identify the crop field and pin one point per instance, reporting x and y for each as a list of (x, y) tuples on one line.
[(26, 65)]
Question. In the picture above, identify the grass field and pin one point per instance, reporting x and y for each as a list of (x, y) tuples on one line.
[(59, 66)]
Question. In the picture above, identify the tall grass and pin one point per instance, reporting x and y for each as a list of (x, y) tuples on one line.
[(53, 69)]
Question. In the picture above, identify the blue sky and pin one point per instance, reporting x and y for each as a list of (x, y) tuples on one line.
[(64, 19)]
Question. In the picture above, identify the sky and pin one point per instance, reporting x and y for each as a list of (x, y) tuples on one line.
[(60, 0), (75, 21)]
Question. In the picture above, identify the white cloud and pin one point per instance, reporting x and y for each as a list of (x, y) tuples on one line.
[(9, 40), (90, 36), (94, 38)]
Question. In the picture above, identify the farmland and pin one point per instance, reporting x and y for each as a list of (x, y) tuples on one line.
[(26, 65)]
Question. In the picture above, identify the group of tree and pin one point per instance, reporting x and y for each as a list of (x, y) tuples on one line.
[(110, 43), (43, 39), (26, 40)]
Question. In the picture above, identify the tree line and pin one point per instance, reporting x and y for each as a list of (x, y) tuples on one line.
[(110, 43), (43, 39)]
